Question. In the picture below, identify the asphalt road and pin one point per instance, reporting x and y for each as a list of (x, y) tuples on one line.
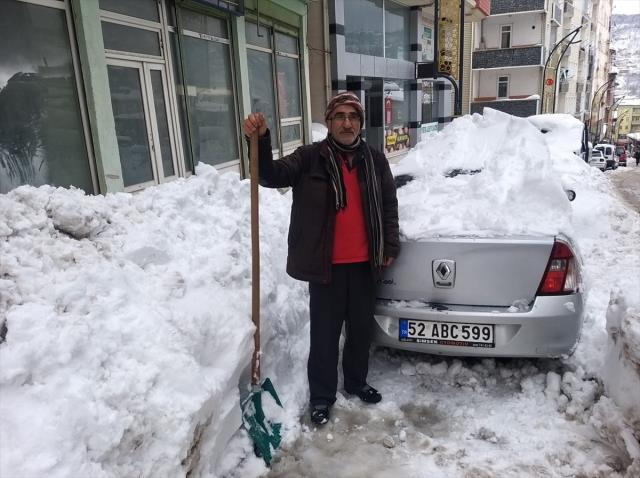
[(627, 182)]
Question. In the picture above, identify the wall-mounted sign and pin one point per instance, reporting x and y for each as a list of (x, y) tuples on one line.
[(427, 43)]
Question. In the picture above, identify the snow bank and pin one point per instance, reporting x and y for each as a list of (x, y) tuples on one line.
[(490, 175), (128, 325), (318, 132)]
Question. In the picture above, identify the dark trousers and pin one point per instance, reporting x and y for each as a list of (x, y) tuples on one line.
[(349, 298)]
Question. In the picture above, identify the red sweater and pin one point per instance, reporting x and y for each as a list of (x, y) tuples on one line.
[(350, 243)]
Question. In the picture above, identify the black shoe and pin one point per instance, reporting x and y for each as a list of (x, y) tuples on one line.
[(320, 414), (367, 394)]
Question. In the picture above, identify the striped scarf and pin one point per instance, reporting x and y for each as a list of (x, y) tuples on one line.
[(362, 158)]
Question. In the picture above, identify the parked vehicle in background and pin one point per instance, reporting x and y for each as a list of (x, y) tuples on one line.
[(597, 160), (609, 152), (621, 153)]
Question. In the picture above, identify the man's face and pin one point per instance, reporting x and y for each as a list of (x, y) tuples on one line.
[(344, 124)]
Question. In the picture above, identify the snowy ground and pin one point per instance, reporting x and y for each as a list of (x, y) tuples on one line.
[(127, 329)]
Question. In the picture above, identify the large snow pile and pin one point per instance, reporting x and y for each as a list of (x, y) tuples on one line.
[(128, 325), (493, 174)]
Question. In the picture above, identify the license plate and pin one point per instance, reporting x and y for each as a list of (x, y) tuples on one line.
[(446, 333)]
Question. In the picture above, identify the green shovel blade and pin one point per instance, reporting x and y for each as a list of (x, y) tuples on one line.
[(264, 433)]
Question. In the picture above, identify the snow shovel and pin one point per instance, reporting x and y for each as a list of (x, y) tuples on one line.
[(264, 433)]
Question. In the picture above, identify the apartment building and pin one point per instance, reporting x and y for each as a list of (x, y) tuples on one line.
[(513, 44), (627, 119), (572, 93)]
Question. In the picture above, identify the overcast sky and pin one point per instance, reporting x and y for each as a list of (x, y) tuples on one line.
[(626, 6)]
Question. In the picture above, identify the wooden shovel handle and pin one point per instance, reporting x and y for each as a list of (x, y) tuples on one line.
[(255, 258)]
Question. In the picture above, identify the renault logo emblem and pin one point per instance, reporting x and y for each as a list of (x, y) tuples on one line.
[(444, 273)]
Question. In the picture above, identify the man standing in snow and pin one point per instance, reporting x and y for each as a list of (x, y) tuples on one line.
[(343, 230)]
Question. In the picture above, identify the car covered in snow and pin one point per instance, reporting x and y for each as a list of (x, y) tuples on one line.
[(485, 267)]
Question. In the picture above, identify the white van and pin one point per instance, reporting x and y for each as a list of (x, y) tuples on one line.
[(609, 153)]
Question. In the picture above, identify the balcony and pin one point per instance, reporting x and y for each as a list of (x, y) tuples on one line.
[(563, 86), (568, 8), (507, 57), (515, 6), (522, 108), (556, 14)]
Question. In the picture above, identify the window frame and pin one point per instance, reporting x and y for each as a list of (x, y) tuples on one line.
[(508, 29), (173, 29), (282, 148), (65, 5), (506, 82)]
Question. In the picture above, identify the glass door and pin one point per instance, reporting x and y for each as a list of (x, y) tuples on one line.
[(145, 140)]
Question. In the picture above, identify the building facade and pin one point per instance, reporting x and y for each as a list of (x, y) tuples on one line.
[(513, 44), (371, 47), (627, 119), (112, 95)]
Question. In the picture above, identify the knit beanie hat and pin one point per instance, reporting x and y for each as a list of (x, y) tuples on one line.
[(346, 98)]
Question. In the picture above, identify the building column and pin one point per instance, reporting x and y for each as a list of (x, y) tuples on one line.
[(337, 45), (415, 86), (98, 96)]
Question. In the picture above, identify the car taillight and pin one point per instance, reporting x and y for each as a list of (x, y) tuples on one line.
[(561, 275)]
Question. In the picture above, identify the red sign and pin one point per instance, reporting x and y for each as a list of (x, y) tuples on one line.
[(549, 81)]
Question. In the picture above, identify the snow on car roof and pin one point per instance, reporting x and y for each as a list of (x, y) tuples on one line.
[(519, 181)]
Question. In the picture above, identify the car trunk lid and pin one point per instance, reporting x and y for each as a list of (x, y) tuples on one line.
[(468, 271)]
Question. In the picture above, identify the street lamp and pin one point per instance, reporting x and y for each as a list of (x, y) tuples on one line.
[(613, 108), (593, 107)]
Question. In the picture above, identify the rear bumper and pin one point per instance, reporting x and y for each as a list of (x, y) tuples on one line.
[(550, 328)]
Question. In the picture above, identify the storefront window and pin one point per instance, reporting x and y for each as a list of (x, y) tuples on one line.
[(396, 117), (397, 27), (212, 116), (131, 127), (288, 87), (429, 108), (206, 101), (262, 88), (129, 39), (274, 83), (363, 27), (145, 9), (41, 133)]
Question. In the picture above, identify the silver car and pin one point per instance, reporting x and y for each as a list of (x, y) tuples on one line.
[(490, 297)]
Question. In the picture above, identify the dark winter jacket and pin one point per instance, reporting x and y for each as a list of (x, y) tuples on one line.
[(313, 212)]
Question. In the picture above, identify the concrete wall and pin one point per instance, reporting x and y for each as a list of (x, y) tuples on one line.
[(522, 81), (319, 59)]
